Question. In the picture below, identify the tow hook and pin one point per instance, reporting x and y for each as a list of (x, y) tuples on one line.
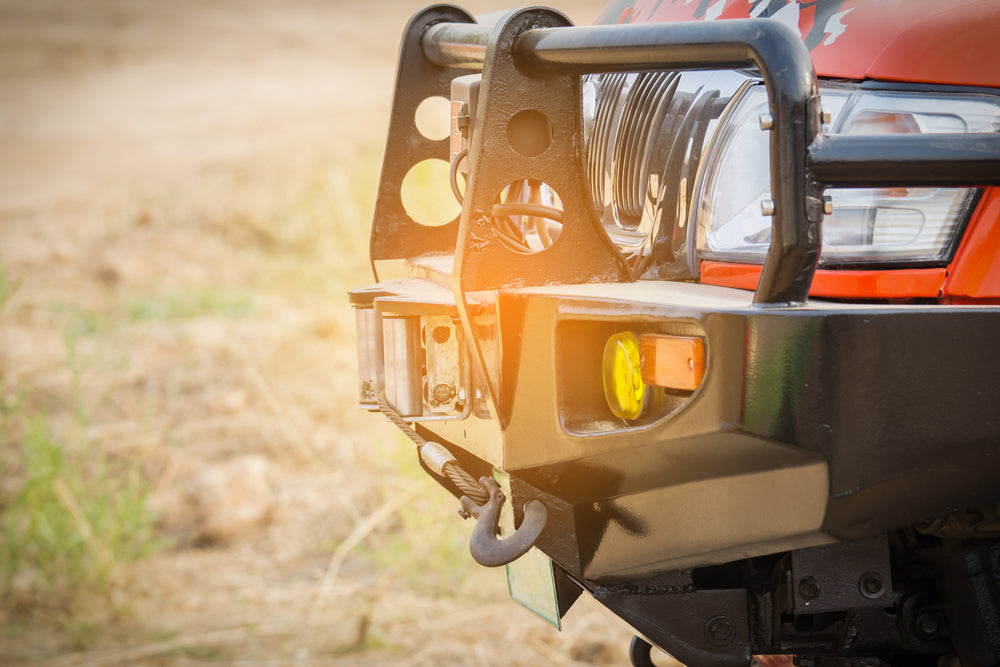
[(486, 548)]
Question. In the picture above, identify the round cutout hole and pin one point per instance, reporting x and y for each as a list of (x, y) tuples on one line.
[(529, 132), (426, 194), (528, 216), (433, 118)]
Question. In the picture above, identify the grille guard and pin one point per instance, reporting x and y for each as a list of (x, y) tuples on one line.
[(532, 59)]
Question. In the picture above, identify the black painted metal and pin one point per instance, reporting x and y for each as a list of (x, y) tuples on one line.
[(906, 160), (841, 576), (640, 653), (972, 581), (881, 628), (706, 628), (395, 235), (582, 253)]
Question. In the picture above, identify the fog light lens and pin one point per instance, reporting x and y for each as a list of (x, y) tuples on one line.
[(623, 385)]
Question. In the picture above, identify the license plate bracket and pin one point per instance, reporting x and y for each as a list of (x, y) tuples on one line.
[(530, 579)]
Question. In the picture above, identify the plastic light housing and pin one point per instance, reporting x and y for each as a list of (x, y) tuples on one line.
[(622, 373), (673, 362), (870, 226)]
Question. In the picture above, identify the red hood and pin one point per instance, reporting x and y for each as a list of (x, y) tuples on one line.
[(930, 41)]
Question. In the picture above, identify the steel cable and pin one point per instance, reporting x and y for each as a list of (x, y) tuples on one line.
[(465, 482)]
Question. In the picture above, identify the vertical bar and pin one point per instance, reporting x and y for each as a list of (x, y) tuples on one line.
[(371, 375), (401, 345)]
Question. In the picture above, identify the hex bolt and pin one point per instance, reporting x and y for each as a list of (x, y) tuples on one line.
[(443, 393), (827, 204), (928, 623), (808, 588), (720, 630), (825, 114), (767, 207), (870, 585), (766, 121)]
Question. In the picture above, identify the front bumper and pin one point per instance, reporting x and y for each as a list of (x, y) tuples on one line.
[(813, 423)]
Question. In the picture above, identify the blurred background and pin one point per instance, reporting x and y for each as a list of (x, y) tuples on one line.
[(185, 195)]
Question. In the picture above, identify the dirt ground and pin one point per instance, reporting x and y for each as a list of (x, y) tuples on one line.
[(185, 194)]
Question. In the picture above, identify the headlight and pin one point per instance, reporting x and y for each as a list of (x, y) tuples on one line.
[(644, 135), (883, 226)]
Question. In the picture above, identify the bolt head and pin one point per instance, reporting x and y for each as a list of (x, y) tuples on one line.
[(809, 588), (871, 586), (443, 393), (767, 207), (928, 623), (827, 204), (766, 121), (825, 115), (720, 630)]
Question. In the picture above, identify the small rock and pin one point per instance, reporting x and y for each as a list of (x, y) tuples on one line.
[(232, 402), (591, 652), (233, 497)]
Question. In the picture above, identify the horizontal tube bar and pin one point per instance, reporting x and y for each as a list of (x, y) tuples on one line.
[(460, 45), (640, 47), (629, 48), (901, 160)]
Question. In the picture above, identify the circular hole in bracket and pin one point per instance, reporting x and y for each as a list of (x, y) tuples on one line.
[(529, 132), (426, 194), (433, 118), (527, 216)]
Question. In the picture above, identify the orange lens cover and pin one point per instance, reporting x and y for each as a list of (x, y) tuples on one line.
[(674, 362)]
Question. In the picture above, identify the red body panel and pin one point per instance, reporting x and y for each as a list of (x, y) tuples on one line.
[(897, 284), (929, 41), (975, 273)]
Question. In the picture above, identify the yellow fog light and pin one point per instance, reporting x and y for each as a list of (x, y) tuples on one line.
[(623, 385)]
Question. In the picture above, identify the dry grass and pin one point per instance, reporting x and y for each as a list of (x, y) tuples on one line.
[(185, 193)]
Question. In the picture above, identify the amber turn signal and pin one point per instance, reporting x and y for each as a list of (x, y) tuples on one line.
[(673, 362)]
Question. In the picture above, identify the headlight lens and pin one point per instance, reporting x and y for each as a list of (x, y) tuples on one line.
[(883, 225), (644, 134)]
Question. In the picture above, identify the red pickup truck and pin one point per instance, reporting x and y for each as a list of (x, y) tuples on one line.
[(712, 329)]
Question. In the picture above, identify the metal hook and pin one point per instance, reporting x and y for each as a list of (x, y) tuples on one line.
[(640, 653), (486, 549)]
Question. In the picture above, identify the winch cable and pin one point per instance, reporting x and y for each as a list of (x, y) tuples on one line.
[(465, 482)]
